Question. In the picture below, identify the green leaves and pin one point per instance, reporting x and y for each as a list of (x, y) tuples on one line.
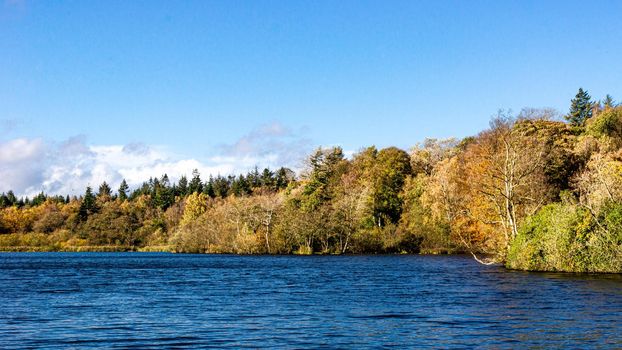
[(580, 108)]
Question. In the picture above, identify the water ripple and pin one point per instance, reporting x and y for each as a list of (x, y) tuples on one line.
[(153, 301)]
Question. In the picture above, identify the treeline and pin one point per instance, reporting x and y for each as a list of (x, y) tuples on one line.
[(531, 191)]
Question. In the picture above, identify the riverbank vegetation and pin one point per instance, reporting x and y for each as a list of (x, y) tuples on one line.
[(533, 191)]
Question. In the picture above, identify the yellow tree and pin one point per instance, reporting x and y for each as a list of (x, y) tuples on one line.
[(504, 180)]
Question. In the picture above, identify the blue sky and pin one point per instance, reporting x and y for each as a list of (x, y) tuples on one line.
[(235, 83)]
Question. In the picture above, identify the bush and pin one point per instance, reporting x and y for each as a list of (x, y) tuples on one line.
[(565, 237)]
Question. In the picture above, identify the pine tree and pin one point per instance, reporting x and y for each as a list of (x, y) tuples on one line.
[(11, 199), (208, 189), (88, 205), (240, 186), (580, 108), (165, 181), (163, 195), (39, 199), (182, 186), (281, 178), (104, 191), (254, 178), (608, 102), (195, 184), (221, 186), (123, 188), (267, 179)]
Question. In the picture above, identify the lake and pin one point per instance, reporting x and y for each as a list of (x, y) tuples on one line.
[(159, 300)]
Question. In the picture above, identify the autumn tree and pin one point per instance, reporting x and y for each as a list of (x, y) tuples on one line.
[(503, 173), (426, 155), (349, 210), (49, 218)]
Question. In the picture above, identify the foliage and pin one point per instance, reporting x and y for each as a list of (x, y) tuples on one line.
[(530, 191), (580, 109), (565, 237)]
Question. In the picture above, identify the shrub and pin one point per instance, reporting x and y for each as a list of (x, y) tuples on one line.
[(565, 237)]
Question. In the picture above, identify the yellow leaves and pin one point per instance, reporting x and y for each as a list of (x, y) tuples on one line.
[(196, 204), (601, 180), (17, 220)]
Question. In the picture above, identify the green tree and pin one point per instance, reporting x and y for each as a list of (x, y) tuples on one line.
[(608, 102), (11, 199), (580, 108), (267, 179), (4, 201), (39, 199), (162, 194), (240, 186), (88, 206), (123, 189), (283, 177), (195, 186), (221, 186), (208, 189), (104, 192), (324, 170), (182, 186), (392, 168)]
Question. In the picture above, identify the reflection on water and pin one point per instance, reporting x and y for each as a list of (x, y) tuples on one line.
[(147, 300)]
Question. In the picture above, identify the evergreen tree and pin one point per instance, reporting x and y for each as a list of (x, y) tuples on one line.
[(240, 186), (324, 169), (253, 178), (283, 178), (11, 199), (4, 201), (104, 190), (208, 189), (267, 179), (195, 184), (182, 186), (221, 186), (39, 199), (580, 108), (163, 196), (165, 181), (123, 189), (608, 102), (88, 205)]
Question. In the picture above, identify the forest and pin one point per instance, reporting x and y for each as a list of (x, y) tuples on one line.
[(534, 191)]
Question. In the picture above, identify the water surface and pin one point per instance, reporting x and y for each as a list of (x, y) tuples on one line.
[(157, 300)]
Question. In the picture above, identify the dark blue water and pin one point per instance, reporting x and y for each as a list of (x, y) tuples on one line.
[(146, 300)]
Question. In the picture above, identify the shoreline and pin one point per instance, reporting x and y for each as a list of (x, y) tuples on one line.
[(157, 249), (153, 249)]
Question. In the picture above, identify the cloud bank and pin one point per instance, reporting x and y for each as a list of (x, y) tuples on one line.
[(31, 165)]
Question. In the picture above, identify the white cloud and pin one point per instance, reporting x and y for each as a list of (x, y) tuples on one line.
[(29, 166), (20, 161), (274, 144), (19, 150)]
